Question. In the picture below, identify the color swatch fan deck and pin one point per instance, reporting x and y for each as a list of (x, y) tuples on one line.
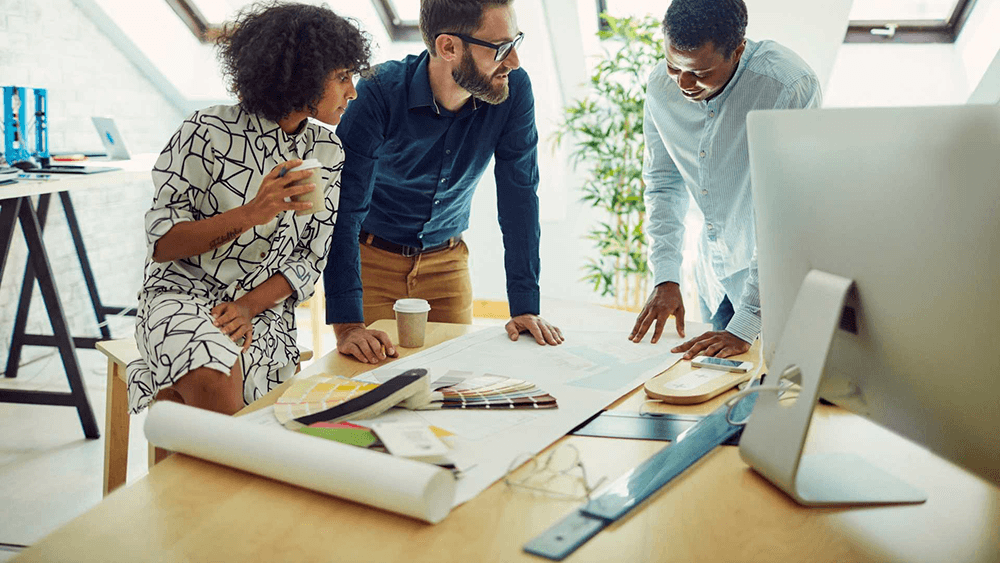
[(336, 398), (488, 392)]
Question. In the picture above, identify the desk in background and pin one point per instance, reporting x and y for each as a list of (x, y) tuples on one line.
[(187, 509), (17, 207)]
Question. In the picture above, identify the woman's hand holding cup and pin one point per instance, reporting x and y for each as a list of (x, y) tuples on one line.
[(275, 190)]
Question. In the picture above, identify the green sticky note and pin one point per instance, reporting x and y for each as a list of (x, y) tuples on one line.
[(361, 437)]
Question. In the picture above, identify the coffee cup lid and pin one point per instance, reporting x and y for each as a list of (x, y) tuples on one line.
[(411, 306), (307, 164)]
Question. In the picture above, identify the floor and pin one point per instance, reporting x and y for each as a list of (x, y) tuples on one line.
[(49, 473)]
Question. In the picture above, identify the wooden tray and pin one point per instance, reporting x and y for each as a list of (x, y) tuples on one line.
[(684, 384)]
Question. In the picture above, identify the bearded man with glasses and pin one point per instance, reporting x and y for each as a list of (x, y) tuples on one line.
[(417, 142)]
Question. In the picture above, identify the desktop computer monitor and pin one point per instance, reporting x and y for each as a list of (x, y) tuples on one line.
[(878, 240)]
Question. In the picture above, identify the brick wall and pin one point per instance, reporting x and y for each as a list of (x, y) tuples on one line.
[(52, 44)]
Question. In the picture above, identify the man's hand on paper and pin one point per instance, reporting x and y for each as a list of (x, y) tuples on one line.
[(367, 346), (665, 300), (721, 344), (543, 332)]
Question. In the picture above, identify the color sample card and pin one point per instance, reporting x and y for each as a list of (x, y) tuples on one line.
[(343, 432), (317, 394)]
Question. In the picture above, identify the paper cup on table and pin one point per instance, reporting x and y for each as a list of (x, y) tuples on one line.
[(411, 321), (317, 196)]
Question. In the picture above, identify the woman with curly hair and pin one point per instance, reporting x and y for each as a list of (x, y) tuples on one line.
[(230, 252)]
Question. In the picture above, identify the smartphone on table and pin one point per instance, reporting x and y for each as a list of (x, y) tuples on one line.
[(722, 364)]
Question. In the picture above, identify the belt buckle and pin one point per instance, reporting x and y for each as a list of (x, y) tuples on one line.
[(410, 251)]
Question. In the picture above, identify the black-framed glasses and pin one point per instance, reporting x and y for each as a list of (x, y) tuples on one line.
[(502, 49)]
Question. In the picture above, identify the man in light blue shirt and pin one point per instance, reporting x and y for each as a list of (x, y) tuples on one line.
[(695, 131)]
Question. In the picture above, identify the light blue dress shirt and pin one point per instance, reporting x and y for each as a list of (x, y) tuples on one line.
[(703, 146)]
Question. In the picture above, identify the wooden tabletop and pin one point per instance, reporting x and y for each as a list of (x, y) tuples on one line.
[(719, 510)]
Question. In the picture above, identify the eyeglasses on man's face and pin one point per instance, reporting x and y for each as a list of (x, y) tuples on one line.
[(502, 49)]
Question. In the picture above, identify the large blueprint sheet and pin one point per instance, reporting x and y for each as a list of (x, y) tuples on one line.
[(586, 373)]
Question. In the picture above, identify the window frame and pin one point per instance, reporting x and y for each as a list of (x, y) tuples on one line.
[(398, 29), (911, 31), (192, 17)]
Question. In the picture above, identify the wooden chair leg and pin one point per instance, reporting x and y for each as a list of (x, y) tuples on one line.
[(116, 429), (317, 310)]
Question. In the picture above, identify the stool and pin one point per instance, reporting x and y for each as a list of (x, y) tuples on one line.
[(116, 423)]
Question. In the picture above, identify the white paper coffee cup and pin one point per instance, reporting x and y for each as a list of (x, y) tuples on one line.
[(318, 195), (411, 321)]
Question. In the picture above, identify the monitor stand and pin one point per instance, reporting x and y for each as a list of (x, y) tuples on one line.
[(774, 437)]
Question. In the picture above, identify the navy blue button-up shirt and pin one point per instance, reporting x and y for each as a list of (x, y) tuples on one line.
[(410, 171)]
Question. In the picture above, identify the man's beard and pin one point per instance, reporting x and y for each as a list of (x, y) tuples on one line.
[(479, 85)]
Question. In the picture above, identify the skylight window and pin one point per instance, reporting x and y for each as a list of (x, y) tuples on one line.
[(906, 10), (205, 17), (907, 21), (872, 21), (633, 8), (408, 10), (215, 11), (401, 18)]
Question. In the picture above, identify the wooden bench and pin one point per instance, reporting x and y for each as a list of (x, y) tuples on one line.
[(116, 425)]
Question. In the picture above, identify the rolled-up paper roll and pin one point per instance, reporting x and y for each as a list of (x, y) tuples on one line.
[(407, 487)]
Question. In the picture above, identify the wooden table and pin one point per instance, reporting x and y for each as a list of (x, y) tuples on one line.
[(16, 206), (719, 510)]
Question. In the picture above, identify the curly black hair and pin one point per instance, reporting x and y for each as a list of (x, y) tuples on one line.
[(277, 56), (690, 24)]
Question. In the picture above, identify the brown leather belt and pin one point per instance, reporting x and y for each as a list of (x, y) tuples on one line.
[(403, 250)]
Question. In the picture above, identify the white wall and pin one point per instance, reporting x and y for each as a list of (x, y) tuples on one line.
[(914, 74), (988, 90), (979, 41), (50, 44), (874, 75), (814, 30)]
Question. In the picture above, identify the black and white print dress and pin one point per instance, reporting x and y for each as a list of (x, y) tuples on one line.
[(213, 163)]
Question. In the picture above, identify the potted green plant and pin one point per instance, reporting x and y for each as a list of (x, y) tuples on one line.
[(605, 129)]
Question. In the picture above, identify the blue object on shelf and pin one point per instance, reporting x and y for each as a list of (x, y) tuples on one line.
[(15, 106)]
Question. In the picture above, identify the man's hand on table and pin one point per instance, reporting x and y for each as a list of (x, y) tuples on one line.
[(721, 344), (665, 300), (365, 345), (543, 332)]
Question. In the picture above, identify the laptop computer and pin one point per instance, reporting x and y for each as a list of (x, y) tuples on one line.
[(70, 169), (111, 137), (113, 144)]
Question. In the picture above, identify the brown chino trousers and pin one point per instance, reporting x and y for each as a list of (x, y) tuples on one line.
[(442, 278)]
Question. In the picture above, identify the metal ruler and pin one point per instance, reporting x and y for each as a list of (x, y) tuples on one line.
[(629, 490)]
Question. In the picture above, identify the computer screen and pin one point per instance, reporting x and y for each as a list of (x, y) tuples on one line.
[(904, 204)]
